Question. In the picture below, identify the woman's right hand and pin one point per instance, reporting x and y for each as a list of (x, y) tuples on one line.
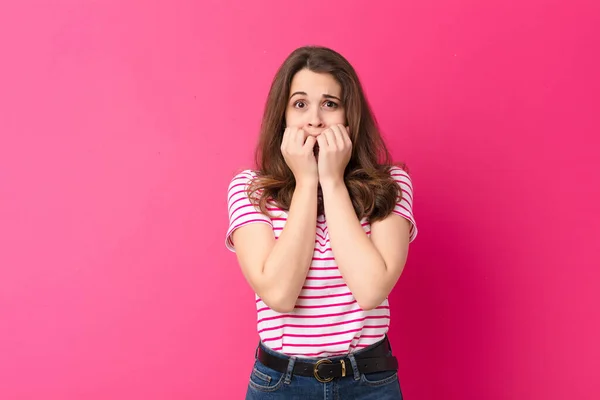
[(297, 148)]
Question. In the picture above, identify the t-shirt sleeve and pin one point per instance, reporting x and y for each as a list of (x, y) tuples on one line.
[(404, 207), (241, 210)]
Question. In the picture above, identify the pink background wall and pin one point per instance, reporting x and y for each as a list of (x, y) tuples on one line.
[(122, 122)]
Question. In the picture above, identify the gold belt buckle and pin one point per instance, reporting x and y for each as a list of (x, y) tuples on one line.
[(316, 370), (326, 361)]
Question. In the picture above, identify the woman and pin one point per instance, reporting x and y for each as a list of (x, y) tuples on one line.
[(321, 231)]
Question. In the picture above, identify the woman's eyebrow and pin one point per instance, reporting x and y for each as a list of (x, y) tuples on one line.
[(326, 96), (300, 93), (330, 96)]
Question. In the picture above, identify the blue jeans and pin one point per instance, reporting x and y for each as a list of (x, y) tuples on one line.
[(268, 384)]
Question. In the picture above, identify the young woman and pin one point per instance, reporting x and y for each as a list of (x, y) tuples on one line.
[(321, 229)]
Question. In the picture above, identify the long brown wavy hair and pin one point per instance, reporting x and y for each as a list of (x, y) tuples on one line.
[(373, 191)]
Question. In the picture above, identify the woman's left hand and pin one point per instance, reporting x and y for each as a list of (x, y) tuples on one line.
[(335, 149)]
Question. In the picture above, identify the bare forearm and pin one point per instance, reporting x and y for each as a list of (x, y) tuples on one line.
[(358, 260), (288, 263)]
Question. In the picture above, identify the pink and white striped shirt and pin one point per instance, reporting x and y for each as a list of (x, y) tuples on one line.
[(327, 320)]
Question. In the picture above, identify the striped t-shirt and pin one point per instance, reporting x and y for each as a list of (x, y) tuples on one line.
[(327, 320)]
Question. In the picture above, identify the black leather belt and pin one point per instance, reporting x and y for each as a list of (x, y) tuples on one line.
[(375, 359)]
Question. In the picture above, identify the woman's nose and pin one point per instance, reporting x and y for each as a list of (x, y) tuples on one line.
[(315, 120)]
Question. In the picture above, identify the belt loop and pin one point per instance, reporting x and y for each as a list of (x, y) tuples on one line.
[(354, 366), (290, 370)]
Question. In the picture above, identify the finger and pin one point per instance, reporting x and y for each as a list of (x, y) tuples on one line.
[(330, 135), (346, 135), (300, 137), (310, 143), (345, 129), (292, 137), (284, 140), (339, 135), (322, 140)]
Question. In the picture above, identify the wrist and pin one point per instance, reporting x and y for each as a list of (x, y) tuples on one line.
[(307, 183), (332, 184)]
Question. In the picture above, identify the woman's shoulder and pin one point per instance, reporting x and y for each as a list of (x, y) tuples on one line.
[(399, 172), (250, 173), (243, 176)]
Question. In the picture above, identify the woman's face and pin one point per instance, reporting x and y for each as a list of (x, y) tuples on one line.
[(315, 102)]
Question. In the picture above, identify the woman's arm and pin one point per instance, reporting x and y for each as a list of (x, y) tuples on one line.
[(370, 267), (277, 269)]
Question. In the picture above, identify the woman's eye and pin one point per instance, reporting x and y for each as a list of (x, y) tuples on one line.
[(330, 104), (299, 104)]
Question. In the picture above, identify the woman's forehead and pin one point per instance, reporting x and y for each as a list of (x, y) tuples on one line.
[(315, 84)]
